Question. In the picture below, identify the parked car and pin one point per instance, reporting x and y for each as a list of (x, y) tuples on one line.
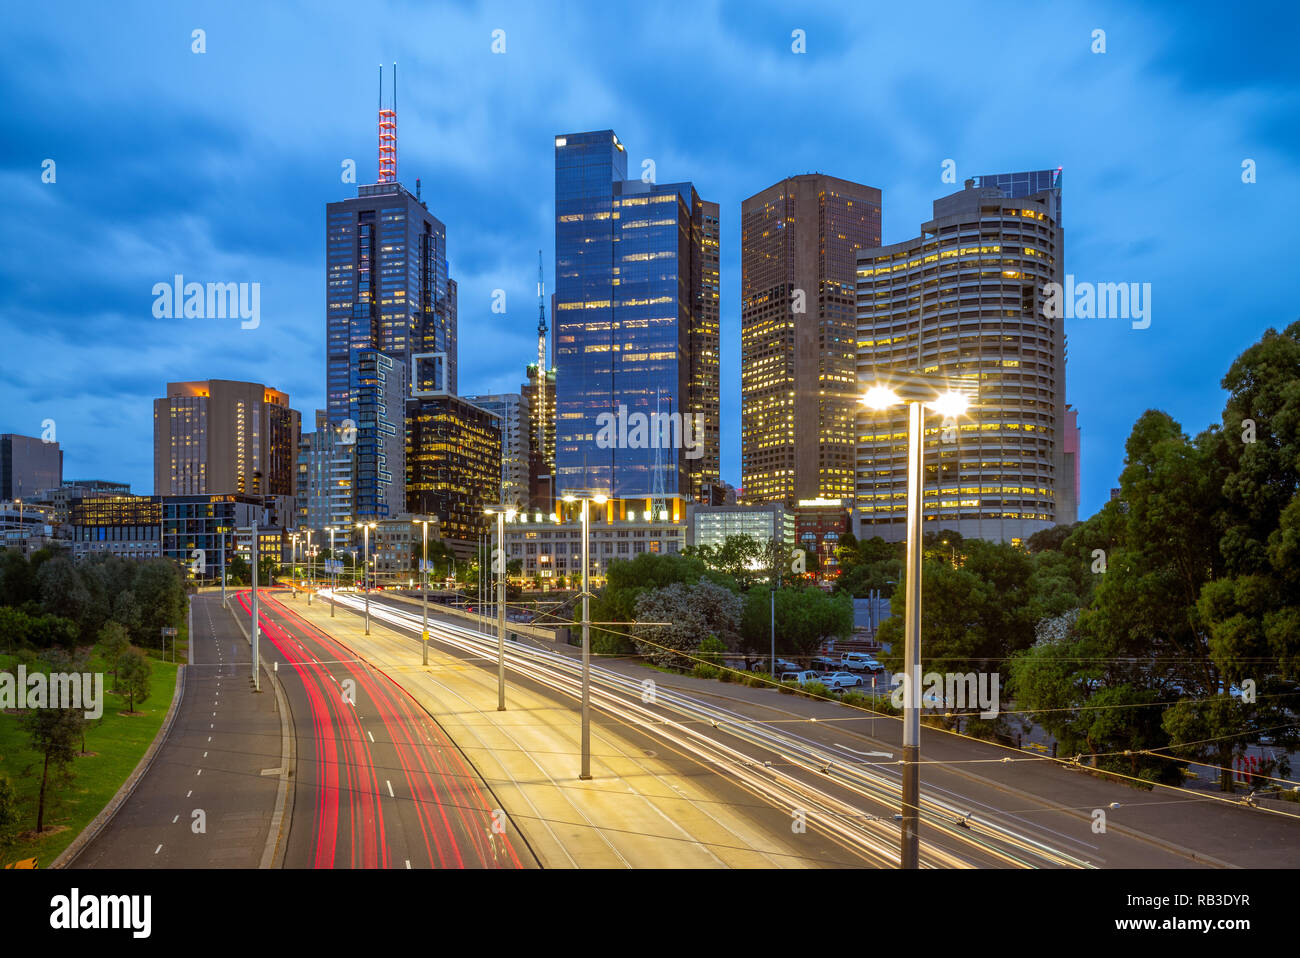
[(826, 663), (841, 680), (803, 678), (784, 665), (860, 662)]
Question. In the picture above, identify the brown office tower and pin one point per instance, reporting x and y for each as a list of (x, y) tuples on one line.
[(799, 246), (219, 437), (453, 466)]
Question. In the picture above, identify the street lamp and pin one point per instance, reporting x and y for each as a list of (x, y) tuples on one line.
[(949, 398), (586, 499), (365, 528), (424, 590), (293, 562), (309, 565), (502, 512), (333, 566)]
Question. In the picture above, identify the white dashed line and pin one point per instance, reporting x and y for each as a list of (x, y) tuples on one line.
[(205, 754), (199, 772), (189, 793), (408, 863), (372, 737), (174, 820), (157, 850), (390, 788)]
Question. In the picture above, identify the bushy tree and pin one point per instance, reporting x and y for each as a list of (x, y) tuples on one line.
[(54, 735), (133, 673), (693, 613)]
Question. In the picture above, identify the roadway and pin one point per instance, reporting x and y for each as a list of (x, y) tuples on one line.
[(208, 771), (378, 784)]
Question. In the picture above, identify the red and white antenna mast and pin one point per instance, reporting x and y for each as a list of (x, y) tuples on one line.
[(387, 132)]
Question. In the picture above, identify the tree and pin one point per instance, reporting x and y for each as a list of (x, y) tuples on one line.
[(9, 814), (133, 673), (693, 613), (805, 618), (114, 639), (54, 735), (238, 571), (160, 591), (624, 582)]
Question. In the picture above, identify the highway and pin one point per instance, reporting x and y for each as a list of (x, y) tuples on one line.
[(843, 795), (378, 783)]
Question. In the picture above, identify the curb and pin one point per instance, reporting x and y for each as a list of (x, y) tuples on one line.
[(99, 821), (273, 854)]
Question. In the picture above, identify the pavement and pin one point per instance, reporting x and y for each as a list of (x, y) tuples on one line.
[(204, 802)]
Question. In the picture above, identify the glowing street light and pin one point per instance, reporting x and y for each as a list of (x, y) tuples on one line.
[(950, 398), (365, 566), (502, 512), (586, 499)]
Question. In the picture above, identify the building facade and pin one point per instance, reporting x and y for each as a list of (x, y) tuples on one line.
[(453, 466), (551, 549), (378, 428), (539, 393), (219, 437), (800, 239), (633, 326), (28, 465), (964, 299), (325, 486), (709, 525), (511, 409)]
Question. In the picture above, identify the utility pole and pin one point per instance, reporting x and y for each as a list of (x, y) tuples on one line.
[(257, 622)]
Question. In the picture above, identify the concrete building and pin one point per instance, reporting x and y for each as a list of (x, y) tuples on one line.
[(28, 465), (709, 525), (221, 437), (800, 239), (325, 486), (122, 525), (552, 549), (965, 300), (539, 393), (511, 409)]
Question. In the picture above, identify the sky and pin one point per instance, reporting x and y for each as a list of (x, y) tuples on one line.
[(218, 164)]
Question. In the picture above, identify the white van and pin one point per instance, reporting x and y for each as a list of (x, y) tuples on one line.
[(803, 678)]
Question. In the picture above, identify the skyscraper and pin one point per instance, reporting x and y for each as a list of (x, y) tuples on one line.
[(218, 436), (539, 394), (325, 478), (799, 244), (512, 411), (631, 323), (28, 465), (453, 466), (964, 299), (378, 388)]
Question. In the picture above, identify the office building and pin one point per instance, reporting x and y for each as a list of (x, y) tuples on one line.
[(325, 464), (634, 327), (377, 391), (121, 525), (219, 437), (28, 465), (539, 394), (511, 409), (709, 525), (964, 300), (453, 466), (1014, 186), (800, 239)]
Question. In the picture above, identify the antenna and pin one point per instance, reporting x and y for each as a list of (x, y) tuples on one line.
[(541, 361), (387, 132)]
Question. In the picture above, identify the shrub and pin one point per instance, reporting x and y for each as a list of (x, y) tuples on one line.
[(816, 690), (703, 670)]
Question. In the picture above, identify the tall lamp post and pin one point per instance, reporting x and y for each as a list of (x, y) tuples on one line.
[(949, 398), (309, 565), (365, 528), (502, 512), (333, 566), (256, 631), (293, 562), (424, 591), (586, 499)]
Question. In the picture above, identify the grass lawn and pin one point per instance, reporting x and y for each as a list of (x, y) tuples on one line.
[(118, 742)]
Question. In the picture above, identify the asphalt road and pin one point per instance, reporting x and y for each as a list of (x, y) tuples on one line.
[(378, 784), (208, 772)]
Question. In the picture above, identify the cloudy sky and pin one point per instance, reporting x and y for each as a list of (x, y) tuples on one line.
[(218, 166)]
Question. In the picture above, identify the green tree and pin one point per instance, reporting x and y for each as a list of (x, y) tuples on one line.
[(9, 812), (692, 613), (805, 618), (54, 734), (133, 673), (114, 639)]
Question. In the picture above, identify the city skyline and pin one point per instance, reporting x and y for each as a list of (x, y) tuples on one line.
[(487, 174)]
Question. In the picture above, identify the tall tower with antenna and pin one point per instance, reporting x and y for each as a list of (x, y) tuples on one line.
[(387, 132), (541, 350)]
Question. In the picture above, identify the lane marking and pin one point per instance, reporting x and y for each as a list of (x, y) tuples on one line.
[(372, 737), (158, 849), (205, 754), (390, 788), (199, 772), (189, 793), (174, 820), (408, 863)]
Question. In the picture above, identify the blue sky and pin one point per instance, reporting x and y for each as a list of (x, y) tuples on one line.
[(219, 165)]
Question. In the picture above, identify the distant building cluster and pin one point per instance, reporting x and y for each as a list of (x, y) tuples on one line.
[(622, 398)]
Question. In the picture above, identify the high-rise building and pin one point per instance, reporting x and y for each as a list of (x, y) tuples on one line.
[(325, 464), (378, 389), (28, 465), (512, 411), (387, 289), (453, 466), (964, 300), (1070, 490), (539, 394), (1016, 186), (218, 437), (630, 314), (800, 239)]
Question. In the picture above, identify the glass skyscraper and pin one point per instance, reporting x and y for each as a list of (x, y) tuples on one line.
[(635, 326), (387, 288)]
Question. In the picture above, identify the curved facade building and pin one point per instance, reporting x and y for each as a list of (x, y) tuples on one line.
[(964, 299)]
